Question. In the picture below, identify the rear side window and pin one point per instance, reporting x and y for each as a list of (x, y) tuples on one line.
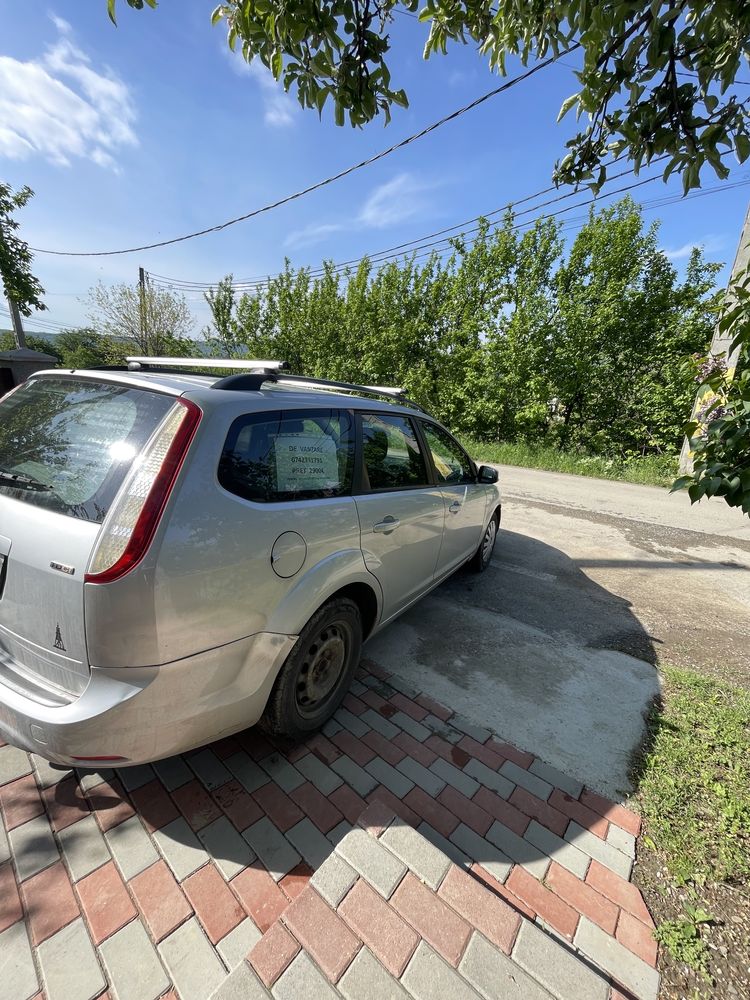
[(66, 444), (391, 455), (289, 455)]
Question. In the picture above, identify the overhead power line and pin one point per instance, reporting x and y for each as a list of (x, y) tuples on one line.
[(326, 181)]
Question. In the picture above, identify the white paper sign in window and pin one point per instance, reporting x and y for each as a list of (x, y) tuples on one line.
[(306, 462)]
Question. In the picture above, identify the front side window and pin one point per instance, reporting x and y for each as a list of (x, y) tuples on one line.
[(391, 455), (452, 464), (66, 444), (289, 455)]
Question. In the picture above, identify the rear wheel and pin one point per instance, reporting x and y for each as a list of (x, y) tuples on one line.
[(481, 558), (317, 672)]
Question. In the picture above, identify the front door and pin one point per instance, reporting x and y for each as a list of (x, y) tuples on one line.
[(465, 500), (401, 515)]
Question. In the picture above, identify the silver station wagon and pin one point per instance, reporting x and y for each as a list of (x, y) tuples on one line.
[(183, 555)]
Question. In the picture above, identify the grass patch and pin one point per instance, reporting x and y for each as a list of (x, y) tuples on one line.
[(651, 470), (695, 779)]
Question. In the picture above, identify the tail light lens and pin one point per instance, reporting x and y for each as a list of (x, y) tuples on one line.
[(129, 527)]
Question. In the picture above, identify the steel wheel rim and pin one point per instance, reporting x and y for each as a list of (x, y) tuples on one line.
[(488, 542), (323, 667)]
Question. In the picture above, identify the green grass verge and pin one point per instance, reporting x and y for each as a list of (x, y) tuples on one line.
[(652, 470), (694, 784)]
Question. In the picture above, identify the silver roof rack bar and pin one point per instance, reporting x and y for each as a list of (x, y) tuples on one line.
[(234, 363), (391, 392)]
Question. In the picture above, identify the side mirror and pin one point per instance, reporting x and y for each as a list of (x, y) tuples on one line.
[(487, 474)]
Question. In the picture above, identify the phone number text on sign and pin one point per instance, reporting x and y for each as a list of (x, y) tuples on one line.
[(306, 462)]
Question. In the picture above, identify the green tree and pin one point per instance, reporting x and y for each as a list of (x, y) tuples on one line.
[(157, 322), (655, 79), (15, 256), (8, 343), (222, 338)]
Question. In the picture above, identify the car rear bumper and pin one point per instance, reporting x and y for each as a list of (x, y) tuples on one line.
[(142, 714)]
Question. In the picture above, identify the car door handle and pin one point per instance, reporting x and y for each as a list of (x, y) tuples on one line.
[(455, 507), (387, 525)]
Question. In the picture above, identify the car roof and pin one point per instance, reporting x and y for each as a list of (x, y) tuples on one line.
[(199, 388)]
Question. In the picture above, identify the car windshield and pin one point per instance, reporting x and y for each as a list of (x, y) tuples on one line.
[(66, 444)]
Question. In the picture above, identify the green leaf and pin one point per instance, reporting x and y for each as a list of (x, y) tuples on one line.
[(217, 14), (742, 147), (111, 11), (567, 104)]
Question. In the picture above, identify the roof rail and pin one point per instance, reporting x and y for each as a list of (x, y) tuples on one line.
[(144, 363), (391, 392)]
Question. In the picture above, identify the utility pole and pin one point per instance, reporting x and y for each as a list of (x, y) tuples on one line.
[(15, 316), (142, 300), (721, 342)]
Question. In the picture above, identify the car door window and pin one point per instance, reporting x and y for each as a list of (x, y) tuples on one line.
[(392, 458), (289, 455), (452, 465)]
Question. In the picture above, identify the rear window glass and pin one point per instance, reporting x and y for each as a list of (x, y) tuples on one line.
[(289, 455), (66, 444)]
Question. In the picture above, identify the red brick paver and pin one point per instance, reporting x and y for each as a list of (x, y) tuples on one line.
[(432, 918), (213, 901), (322, 932), (105, 902), (50, 902), (490, 915), (260, 896), (160, 900), (273, 953), (546, 904), (20, 801), (385, 933)]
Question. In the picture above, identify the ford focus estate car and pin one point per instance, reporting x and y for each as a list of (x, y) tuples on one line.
[(184, 555)]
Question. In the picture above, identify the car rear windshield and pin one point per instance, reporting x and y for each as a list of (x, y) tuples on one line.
[(66, 444)]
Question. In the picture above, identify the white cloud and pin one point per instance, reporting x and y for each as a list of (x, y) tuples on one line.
[(279, 108), (710, 244), (61, 108), (388, 204)]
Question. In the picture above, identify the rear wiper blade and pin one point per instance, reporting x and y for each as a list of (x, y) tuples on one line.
[(24, 482)]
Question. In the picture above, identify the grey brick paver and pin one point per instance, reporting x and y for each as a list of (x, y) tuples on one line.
[(235, 946), (487, 854), (33, 847), (14, 763), (132, 965), (489, 778), (411, 726), (272, 847), (366, 979), (422, 776), (192, 963), (417, 853), (90, 779), (241, 984), (442, 729), (597, 848), (464, 783), (84, 847), (303, 980), (376, 721), (182, 850), (357, 687), (337, 834), (621, 840), (331, 728), (282, 772), (557, 778), (362, 782), (557, 969), (518, 849), (428, 977), (531, 782), (453, 851), (246, 771), (623, 965), (70, 969), (334, 879), (230, 851), (320, 774), (310, 842), (351, 722), (387, 775), (209, 769), (4, 844), (173, 772), (559, 850), (135, 777), (376, 864), (401, 685), (131, 847), (470, 728), (18, 979), (495, 975), (46, 775)]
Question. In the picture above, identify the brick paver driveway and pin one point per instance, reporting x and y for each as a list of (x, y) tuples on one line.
[(494, 875)]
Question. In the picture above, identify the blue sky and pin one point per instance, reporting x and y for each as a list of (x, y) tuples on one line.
[(153, 129)]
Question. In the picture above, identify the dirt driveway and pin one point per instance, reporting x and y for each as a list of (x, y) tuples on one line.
[(592, 583)]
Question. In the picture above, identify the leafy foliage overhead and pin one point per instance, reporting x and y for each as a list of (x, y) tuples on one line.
[(15, 256), (655, 79)]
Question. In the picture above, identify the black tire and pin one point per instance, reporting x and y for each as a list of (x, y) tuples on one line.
[(317, 673), (483, 556)]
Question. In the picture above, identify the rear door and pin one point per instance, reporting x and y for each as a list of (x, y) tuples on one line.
[(401, 514), (465, 500), (65, 447)]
